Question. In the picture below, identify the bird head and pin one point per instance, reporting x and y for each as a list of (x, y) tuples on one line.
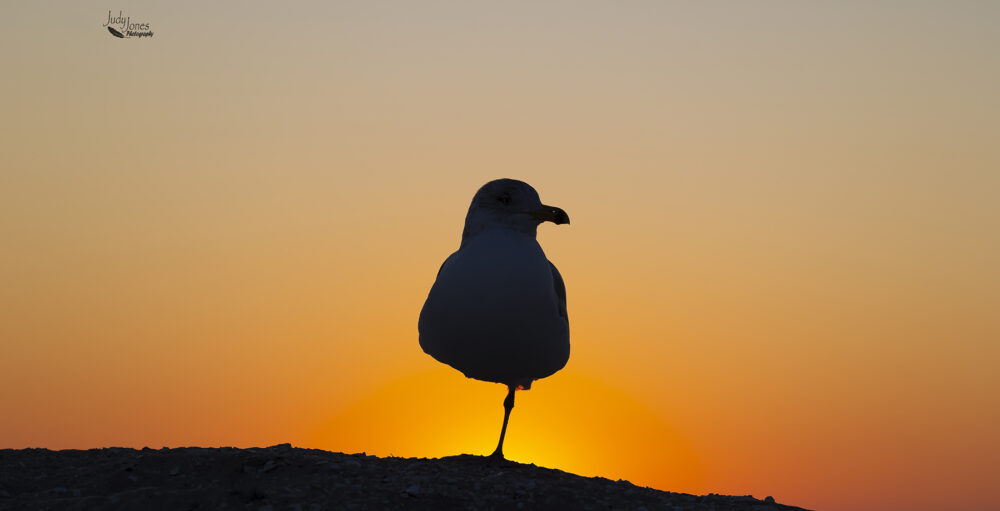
[(510, 204)]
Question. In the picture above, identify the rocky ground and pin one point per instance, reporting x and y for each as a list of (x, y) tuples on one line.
[(286, 478)]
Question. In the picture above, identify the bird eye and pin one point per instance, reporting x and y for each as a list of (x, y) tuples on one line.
[(505, 199)]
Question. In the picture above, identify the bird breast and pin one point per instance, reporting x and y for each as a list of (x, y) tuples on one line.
[(493, 313), (498, 273)]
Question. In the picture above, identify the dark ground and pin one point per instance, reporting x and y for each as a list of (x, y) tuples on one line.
[(286, 478)]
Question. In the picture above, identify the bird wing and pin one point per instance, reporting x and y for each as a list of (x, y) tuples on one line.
[(557, 282)]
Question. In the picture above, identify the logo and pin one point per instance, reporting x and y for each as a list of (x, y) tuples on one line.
[(121, 26)]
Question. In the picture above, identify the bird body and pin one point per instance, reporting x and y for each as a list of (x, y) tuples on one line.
[(497, 309), (494, 311)]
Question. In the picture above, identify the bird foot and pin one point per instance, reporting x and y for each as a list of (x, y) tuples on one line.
[(498, 460)]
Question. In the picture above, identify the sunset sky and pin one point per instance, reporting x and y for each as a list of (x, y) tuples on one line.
[(782, 270)]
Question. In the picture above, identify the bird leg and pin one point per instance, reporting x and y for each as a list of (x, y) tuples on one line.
[(508, 405)]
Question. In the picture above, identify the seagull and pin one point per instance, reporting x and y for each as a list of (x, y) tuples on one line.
[(497, 309)]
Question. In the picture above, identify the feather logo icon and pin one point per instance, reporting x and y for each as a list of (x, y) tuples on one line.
[(115, 32)]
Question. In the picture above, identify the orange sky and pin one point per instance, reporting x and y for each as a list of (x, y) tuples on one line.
[(782, 268)]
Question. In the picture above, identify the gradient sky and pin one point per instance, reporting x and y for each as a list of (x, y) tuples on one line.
[(782, 268)]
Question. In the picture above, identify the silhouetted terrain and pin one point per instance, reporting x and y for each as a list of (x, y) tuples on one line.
[(282, 477)]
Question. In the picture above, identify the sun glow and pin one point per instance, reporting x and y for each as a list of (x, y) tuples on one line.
[(568, 421)]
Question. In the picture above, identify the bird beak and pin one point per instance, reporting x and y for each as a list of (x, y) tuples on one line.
[(550, 214)]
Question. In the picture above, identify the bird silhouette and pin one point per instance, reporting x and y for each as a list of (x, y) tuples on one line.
[(497, 309)]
